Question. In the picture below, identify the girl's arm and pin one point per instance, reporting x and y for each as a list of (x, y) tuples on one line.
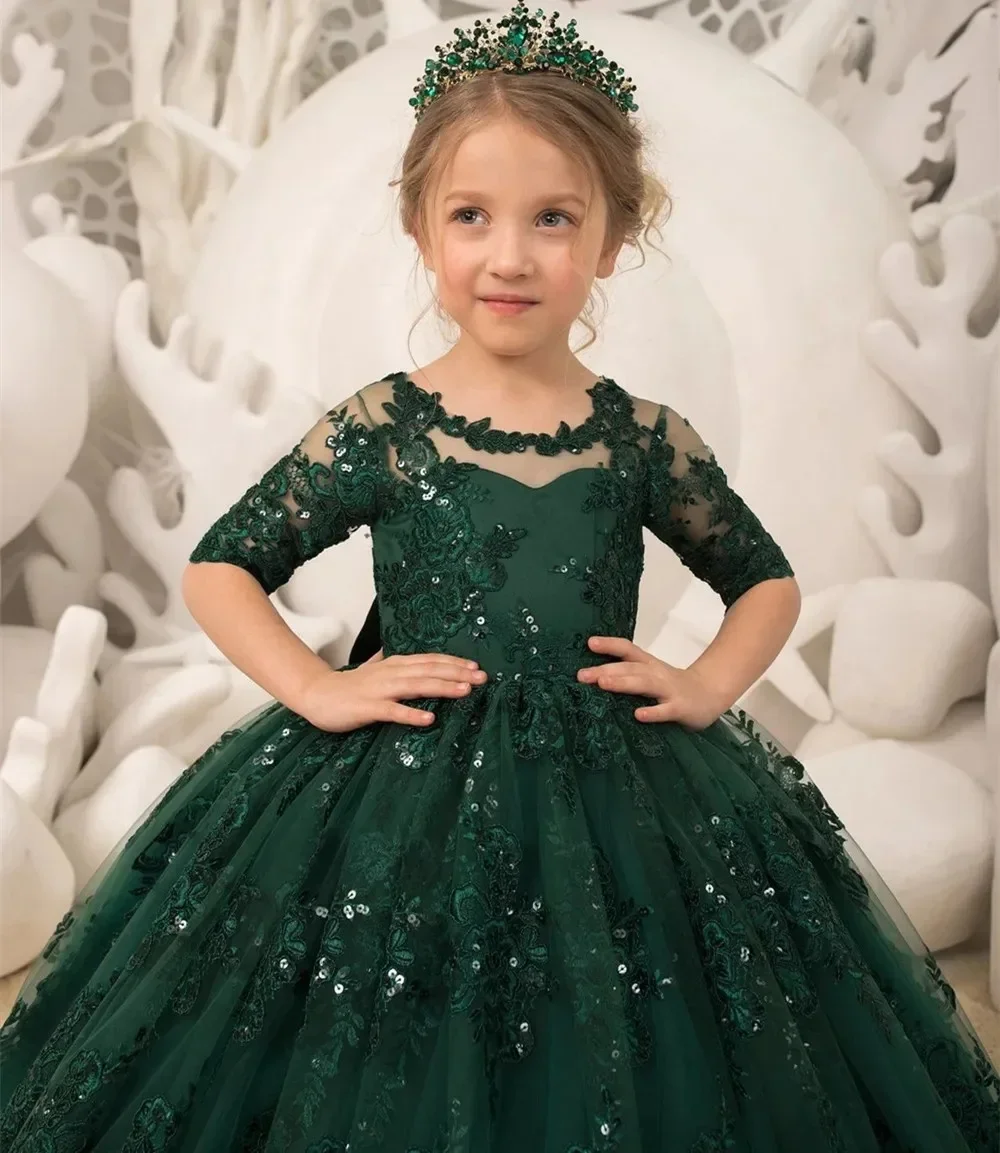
[(692, 508), (315, 496), (237, 615), (753, 632)]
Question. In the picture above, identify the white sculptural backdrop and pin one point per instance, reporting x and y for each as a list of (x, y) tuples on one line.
[(826, 332)]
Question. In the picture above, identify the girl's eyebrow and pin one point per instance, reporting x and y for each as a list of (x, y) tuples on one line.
[(551, 198)]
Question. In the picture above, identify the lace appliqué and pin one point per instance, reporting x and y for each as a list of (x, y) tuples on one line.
[(479, 435), (692, 509), (301, 506), (500, 965)]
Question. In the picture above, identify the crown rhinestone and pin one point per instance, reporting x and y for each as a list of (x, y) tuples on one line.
[(522, 42)]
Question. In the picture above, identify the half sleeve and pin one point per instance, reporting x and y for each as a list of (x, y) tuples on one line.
[(315, 496), (692, 509)]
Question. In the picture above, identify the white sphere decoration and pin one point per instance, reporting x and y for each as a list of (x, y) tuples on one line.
[(45, 397), (95, 275), (307, 269), (924, 825)]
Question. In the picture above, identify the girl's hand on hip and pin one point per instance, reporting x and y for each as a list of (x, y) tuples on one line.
[(681, 695), (340, 700)]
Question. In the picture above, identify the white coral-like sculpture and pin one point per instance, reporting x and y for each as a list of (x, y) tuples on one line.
[(915, 88), (944, 369), (221, 445), (178, 185), (22, 107)]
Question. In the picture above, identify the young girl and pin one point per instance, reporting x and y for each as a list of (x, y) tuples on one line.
[(513, 885)]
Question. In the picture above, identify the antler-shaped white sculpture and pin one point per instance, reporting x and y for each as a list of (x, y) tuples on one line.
[(945, 373), (72, 529), (221, 446), (178, 184), (923, 106), (22, 107), (46, 748)]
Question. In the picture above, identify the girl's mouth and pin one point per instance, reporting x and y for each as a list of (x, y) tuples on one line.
[(508, 307)]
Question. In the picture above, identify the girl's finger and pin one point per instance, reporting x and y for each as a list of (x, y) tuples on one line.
[(611, 670), (436, 671), (665, 711), (408, 687), (396, 713), (436, 660), (620, 647), (627, 683)]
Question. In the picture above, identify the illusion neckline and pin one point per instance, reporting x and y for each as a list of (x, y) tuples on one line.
[(483, 435)]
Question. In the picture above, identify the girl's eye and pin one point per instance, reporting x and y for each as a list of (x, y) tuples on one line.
[(550, 218)]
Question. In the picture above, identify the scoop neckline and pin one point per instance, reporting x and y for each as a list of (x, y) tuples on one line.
[(455, 424)]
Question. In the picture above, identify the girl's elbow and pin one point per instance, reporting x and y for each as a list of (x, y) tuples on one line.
[(794, 594)]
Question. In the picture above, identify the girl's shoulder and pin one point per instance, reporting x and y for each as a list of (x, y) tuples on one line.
[(377, 398), (651, 416)]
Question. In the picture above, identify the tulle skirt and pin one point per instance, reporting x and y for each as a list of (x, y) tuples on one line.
[(538, 926)]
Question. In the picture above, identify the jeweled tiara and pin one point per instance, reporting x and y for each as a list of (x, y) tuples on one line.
[(521, 42)]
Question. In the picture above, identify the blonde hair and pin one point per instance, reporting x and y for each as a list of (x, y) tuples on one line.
[(576, 118)]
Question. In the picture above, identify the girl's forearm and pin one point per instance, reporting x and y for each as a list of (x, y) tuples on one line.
[(752, 634), (237, 615)]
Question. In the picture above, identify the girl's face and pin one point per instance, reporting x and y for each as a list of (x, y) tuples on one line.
[(514, 217)]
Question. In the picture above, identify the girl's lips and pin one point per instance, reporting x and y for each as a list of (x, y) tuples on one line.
[(508, 307)]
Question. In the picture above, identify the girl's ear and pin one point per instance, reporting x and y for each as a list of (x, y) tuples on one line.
[(609, 257)]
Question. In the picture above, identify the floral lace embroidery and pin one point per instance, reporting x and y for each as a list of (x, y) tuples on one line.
[(500, 965), (638, 981), (481, 436), (153, 1127), (303, 504), (691, 508)]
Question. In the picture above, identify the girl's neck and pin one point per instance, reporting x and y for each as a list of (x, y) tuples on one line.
[(469, 372)]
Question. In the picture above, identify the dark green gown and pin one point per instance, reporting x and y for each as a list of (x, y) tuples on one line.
[(537, 926)]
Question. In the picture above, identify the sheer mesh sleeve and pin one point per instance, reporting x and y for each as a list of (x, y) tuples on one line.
[(315, 496), (691, 508)]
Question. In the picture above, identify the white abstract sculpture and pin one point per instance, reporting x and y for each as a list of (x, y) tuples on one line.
[(176, 183), (36, 882), (45, 396), (43, 751), (944, 369), (904, 652), (201, 418), (924, 107), (46, 746), (22, 107), (960, 740), (923, 824), (95, 276), (88, 830), (993, 669), (71, 572)]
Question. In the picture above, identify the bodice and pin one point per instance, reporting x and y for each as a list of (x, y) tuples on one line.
[(511, 548)]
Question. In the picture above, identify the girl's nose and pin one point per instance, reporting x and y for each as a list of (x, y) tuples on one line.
[(510, 253)]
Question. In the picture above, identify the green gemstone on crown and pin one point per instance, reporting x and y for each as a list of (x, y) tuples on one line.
[(521, 42)]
